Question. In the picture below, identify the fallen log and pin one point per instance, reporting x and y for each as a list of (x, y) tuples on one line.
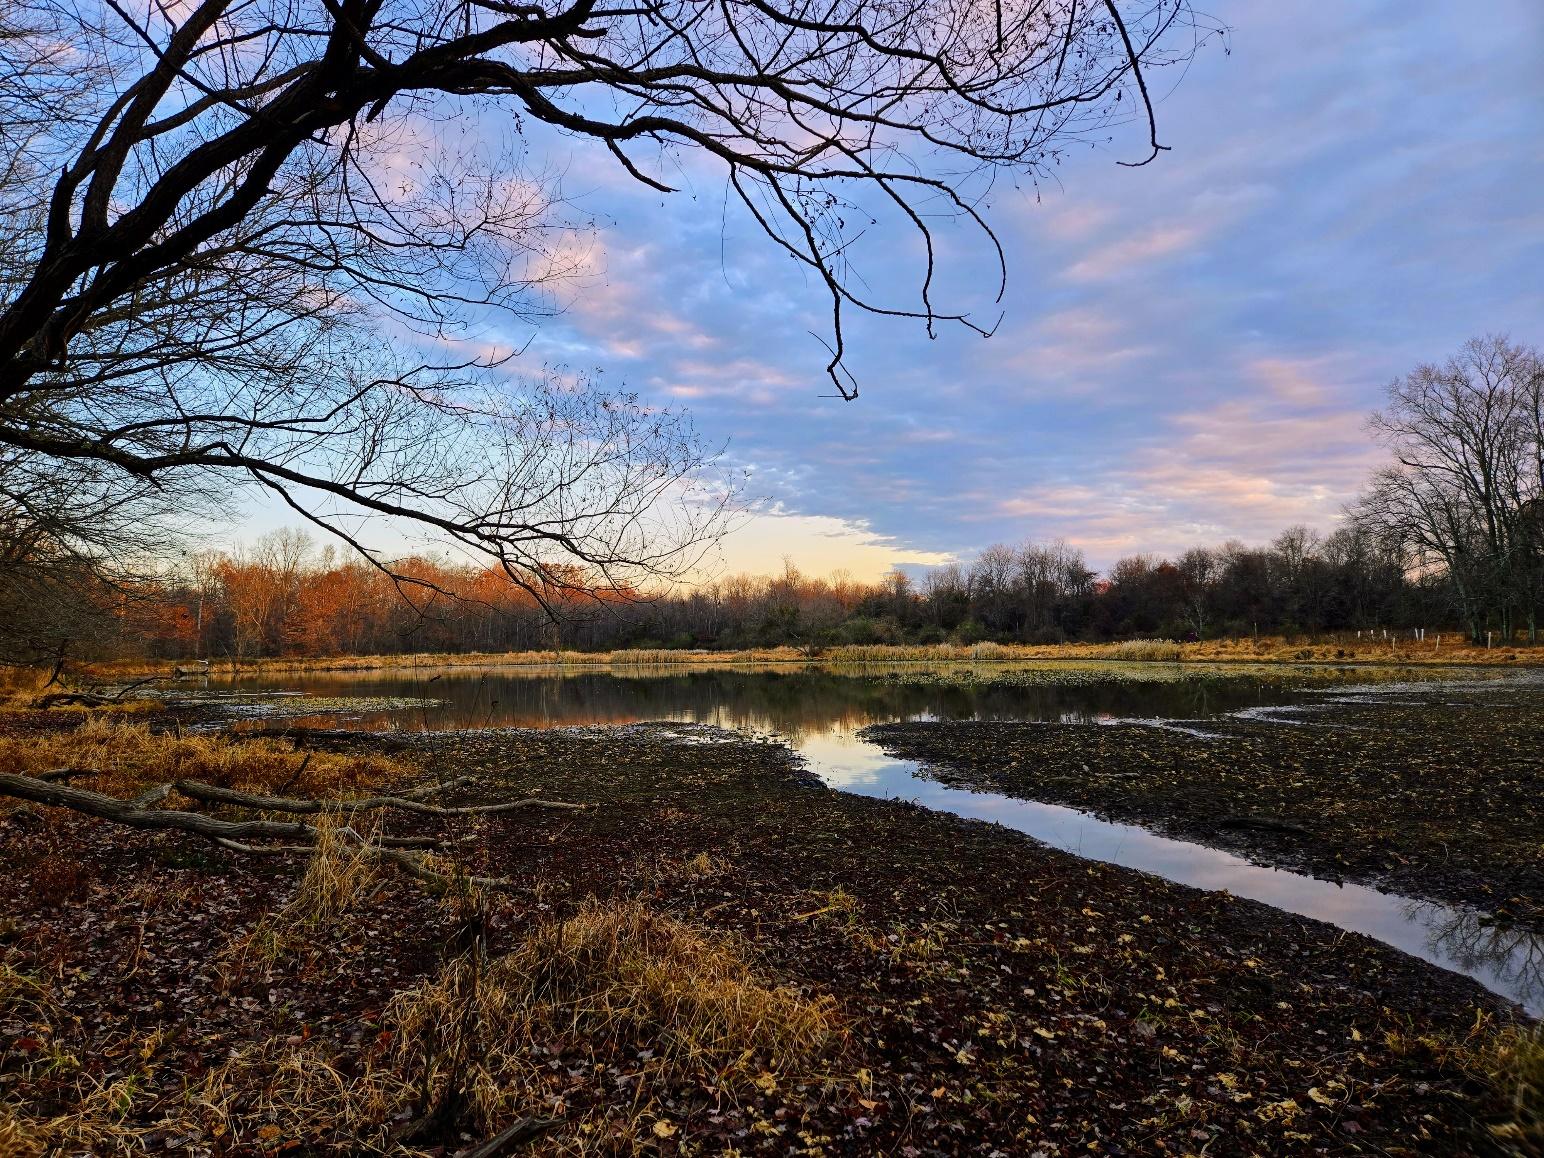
[(213, 794), (85, 699), (51, 789), (127, 812)]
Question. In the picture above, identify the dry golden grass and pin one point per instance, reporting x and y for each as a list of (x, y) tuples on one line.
[(23, 998), (129, 757), (17, 1138), (1160, 650), (1446, 648), (1443, 648), (94, 1124), (613, 976), (591, 989), (340, 873), (1514, 1060), (20, 685), (627, 657), (1506, 1058)]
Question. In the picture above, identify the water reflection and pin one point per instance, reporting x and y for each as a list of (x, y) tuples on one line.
[(1507, 961), (792, 703), (819, 712), (1479, 943)]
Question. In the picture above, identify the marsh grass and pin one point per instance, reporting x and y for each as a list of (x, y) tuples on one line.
[(24, 998), (1155, 650), (339, 875), (1345, 647), (1508, 1060), (616, 976), (1513, 1060), (126, 757), (94, 1123), (616, 983), (18, 687), (18, 1139)]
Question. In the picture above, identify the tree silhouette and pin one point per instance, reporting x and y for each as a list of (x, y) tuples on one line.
[(209, 237)]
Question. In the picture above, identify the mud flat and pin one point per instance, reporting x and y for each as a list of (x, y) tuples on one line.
[(985, 993)]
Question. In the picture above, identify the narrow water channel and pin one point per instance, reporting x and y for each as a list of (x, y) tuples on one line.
[(819, 713), (1508, 962)]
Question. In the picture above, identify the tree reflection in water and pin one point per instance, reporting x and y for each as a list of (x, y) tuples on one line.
[(794, 703), (1479, 944)]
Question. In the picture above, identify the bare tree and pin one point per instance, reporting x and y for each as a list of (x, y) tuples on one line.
[(74, 540), (208, 232), (1198, 571), (1465, 486)]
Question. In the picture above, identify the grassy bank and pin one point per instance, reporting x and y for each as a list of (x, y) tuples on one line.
[(1452, 650), (719, 958)]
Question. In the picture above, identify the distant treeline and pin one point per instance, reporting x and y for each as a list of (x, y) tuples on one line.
[(1449, 534), (286, 597)]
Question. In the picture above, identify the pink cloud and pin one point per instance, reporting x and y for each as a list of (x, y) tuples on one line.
[(1120, 257)]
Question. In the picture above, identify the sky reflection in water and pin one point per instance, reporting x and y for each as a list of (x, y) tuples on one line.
[(819, 713)]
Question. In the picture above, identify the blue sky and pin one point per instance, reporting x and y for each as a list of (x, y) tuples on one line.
[(1188, 350)]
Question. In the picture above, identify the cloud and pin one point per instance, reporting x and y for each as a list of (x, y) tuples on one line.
[(1123, 257), (819, 544), (1279, 446)]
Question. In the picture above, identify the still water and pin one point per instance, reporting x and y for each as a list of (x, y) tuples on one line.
[(819, 712)]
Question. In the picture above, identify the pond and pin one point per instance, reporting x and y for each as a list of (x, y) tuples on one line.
[(792, 702), (820, 711)]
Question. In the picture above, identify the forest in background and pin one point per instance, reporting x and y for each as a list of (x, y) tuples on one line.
[(285, 595), (1449, 536)]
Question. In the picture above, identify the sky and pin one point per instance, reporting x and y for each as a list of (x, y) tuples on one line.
[(1188, 351)]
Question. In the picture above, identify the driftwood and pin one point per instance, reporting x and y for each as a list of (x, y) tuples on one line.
[(91, 699), (52, 788)]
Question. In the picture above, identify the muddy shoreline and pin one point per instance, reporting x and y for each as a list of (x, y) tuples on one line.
[(997, 995), (1435, 792)]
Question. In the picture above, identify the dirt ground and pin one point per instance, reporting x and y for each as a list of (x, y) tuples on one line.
[(970, 991)]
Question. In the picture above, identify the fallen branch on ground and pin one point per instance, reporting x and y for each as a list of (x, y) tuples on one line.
[(87, 699), (212, 794), (238, 835)]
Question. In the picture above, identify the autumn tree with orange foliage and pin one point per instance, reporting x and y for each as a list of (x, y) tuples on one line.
[(214, 274)]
